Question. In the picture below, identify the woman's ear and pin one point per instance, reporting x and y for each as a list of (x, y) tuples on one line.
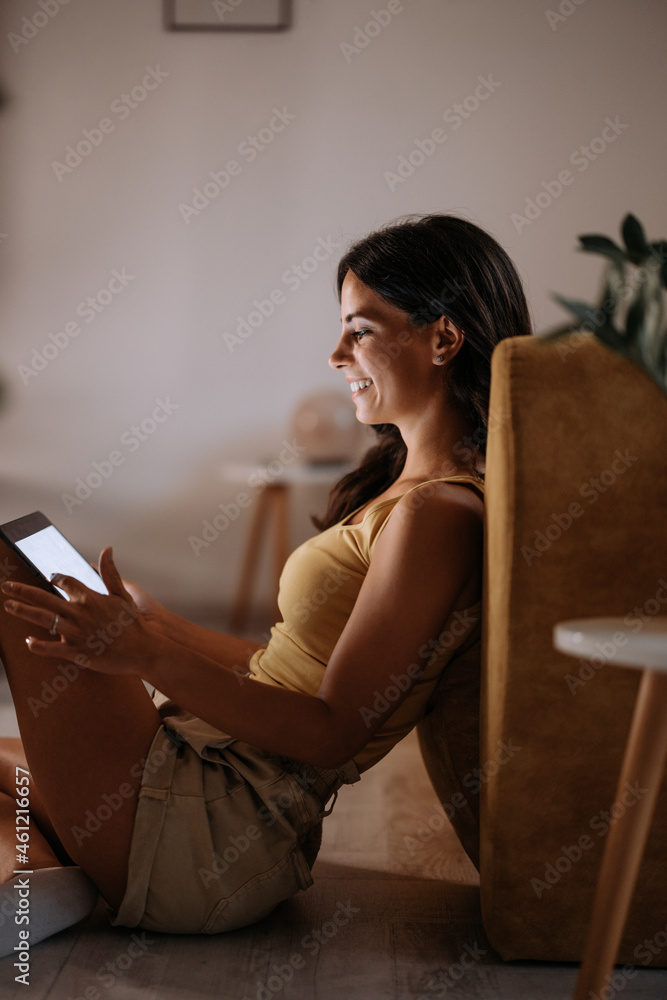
[(447, 340)]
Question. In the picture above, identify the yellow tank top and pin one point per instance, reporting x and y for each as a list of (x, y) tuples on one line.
[(317, 591)]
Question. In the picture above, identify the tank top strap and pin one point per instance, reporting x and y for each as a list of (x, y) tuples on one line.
[(380, 506), (372, 527), (472, 481)]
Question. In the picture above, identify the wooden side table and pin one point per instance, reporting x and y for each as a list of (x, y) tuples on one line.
[(643, 762)]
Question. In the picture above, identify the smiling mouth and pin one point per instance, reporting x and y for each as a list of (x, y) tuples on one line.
[(362, 384)]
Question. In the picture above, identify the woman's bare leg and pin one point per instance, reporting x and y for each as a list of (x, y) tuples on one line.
[(86, 743), (51, 896), (12, 756), (41, 855)]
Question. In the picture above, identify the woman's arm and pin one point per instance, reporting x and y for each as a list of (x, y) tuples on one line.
[(426, 563), (217, 645)]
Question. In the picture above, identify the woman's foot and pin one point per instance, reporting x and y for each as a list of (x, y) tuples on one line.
[(41, 904)]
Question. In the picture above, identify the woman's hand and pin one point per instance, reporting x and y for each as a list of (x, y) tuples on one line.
[(154, 614), (105, 632)]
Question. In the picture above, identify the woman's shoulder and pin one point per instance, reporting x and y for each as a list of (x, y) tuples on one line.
[(435, 531), (438, 513), (440, 495)]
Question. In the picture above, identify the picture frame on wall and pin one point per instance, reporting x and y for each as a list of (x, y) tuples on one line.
[(227, 15)]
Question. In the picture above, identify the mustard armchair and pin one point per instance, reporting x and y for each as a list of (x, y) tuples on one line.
[(576, 526)]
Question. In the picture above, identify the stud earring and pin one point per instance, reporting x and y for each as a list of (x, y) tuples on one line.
[(440, 358)]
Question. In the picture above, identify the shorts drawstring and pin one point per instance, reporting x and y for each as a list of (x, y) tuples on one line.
[(324, 781)]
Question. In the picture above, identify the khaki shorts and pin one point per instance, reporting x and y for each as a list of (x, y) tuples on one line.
[(223, 832)]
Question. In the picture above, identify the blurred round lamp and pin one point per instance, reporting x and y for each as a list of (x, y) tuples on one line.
[(325, 425)]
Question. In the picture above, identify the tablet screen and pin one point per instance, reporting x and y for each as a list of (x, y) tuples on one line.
[(50, 552)]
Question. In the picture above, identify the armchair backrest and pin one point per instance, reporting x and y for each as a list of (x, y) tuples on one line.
[(576, 526)]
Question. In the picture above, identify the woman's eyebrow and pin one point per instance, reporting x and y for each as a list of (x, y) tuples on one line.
[(351, 316)]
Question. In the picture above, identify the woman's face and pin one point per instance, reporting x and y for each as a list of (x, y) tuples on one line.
[(388, 363)]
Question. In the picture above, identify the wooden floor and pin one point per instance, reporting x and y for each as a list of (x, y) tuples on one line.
[(389, 918)]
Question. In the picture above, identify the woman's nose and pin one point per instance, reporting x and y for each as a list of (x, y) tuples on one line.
[(340, 357)]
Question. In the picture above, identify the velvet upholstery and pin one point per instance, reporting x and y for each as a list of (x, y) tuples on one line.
[(576, 526), (572, 424), (449, 742)]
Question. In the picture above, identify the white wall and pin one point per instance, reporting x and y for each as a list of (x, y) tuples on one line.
[(554, 82)]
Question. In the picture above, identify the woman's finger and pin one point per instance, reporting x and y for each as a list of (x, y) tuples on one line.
[(74, 589), (35, 596), (111, 576), (59, 649), (64, 651), (36, 616)]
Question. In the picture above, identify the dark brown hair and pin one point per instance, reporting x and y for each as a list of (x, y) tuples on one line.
[(431, 266)]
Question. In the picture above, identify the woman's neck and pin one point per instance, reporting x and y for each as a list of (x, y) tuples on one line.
[(439, 448)]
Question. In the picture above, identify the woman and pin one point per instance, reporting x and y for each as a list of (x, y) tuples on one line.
[(200, 809)]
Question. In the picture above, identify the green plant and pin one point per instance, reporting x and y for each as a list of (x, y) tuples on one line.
[(630, 315)]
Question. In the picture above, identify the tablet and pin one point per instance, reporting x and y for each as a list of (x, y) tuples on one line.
[(46, 551)]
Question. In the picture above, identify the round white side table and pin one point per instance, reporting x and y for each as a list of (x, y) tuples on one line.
[(643, 762)]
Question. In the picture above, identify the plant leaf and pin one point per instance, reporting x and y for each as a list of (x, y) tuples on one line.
[(555, 333), (634, 320), (613, 338), (582, 310), (593, 243), (634, 238), (641, 336), (613, 287), (649, 333), (659, 251)]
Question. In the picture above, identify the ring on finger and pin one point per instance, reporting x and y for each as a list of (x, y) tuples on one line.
[(54, 628)]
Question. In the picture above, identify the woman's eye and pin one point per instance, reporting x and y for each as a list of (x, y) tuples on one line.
[(359, 333)]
